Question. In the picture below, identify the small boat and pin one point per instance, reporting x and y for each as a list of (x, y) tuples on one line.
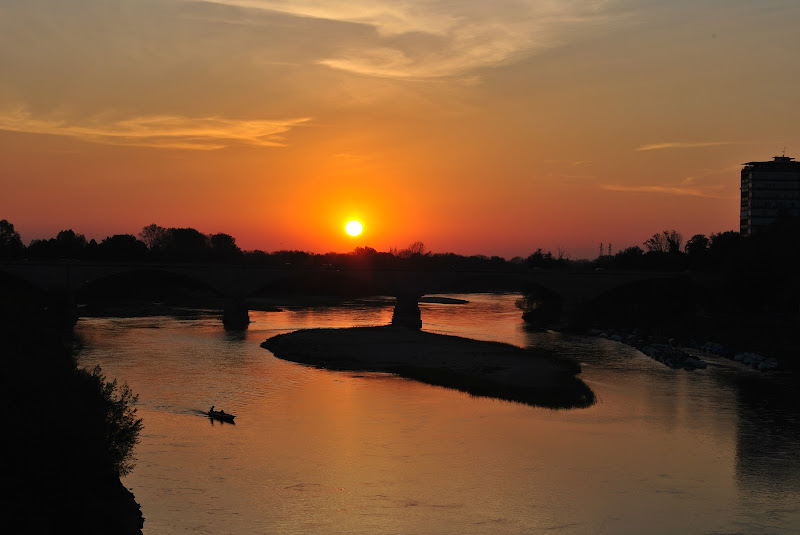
[(220, 415)]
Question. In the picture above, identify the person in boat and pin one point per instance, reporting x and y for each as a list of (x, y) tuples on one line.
[(211, 409)]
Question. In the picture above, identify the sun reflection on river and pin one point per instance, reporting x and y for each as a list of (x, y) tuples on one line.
[(315, 451)]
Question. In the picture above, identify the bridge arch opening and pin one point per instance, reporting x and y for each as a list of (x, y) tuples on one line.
[(661, 304), (20, 298), (324, 282), (146, 286), (16, 292)]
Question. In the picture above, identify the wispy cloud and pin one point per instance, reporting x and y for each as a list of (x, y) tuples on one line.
[(435, 38), (576, 163), (683, 190), (686, 145), (161, 131), (579, 177)]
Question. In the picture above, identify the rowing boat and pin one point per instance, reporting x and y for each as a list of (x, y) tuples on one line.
[(221, 415)]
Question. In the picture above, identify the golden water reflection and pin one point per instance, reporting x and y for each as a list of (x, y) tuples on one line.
[(315, 451)]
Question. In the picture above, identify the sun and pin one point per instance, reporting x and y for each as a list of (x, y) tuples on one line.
[(353, 227)]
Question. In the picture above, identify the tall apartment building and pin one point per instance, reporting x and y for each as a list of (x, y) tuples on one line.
[(769, 189)]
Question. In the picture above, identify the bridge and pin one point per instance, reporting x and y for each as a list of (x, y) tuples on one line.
[(233, 284)]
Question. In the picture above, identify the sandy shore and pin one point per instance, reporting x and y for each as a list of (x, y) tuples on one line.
[(490, 369)]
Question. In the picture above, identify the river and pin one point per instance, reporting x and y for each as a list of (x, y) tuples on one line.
[(314, 451)]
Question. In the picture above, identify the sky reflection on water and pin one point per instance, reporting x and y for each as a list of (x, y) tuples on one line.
[(314, 451)]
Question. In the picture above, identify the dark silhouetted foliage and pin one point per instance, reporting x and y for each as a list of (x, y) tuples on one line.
[(667, 241), (224, 248), (630, 258), (114, 404), (10, 241), (122, 247), (71, 432), (542, 260), (153, 236), (697, 249), (66, 245), (186, 244), (415, 249), (541, 307)]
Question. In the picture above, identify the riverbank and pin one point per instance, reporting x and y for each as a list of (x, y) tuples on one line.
[(673, 351), (487, 369), (70, 431)]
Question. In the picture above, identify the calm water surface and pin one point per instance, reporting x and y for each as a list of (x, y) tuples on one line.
[(313, 451)]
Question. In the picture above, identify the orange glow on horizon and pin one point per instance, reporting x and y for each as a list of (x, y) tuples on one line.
[(497, 149)]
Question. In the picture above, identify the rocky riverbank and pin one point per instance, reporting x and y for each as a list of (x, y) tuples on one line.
[(673, 352), (489, 369)]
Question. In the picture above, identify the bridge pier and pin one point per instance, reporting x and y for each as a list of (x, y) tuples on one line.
[(235, 315), (574, 315), (406, 311)]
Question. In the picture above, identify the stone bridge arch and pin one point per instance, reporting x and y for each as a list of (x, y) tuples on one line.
[(351, 283), (71, 280), (649, 302), (564, 294), (162, 285), (16, 292), (569, 299)]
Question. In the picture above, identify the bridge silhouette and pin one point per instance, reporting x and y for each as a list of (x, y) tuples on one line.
[(234, 284)]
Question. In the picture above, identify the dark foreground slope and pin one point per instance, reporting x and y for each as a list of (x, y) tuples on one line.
[(489, 369), (67, 432)]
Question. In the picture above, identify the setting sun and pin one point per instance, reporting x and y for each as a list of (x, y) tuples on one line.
[(353, 228)]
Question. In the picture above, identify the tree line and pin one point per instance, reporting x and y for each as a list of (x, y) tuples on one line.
[(665, 250), (774, 249), (161, 244), (152, 243)]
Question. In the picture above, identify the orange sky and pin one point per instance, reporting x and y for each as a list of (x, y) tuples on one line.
[(475, 127)]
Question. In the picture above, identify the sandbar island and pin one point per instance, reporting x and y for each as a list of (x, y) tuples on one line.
[(489, 369)]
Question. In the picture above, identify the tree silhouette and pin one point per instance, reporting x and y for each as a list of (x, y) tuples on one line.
[(70, 245), (540, 259), (67, 244), (122, 247), (727, 249), (697, 249), (629, 258), (417, 248), (186, 244), (153, 236), (668, 241), (223, 247), (10, 242), (115, 407), (697, 245)]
